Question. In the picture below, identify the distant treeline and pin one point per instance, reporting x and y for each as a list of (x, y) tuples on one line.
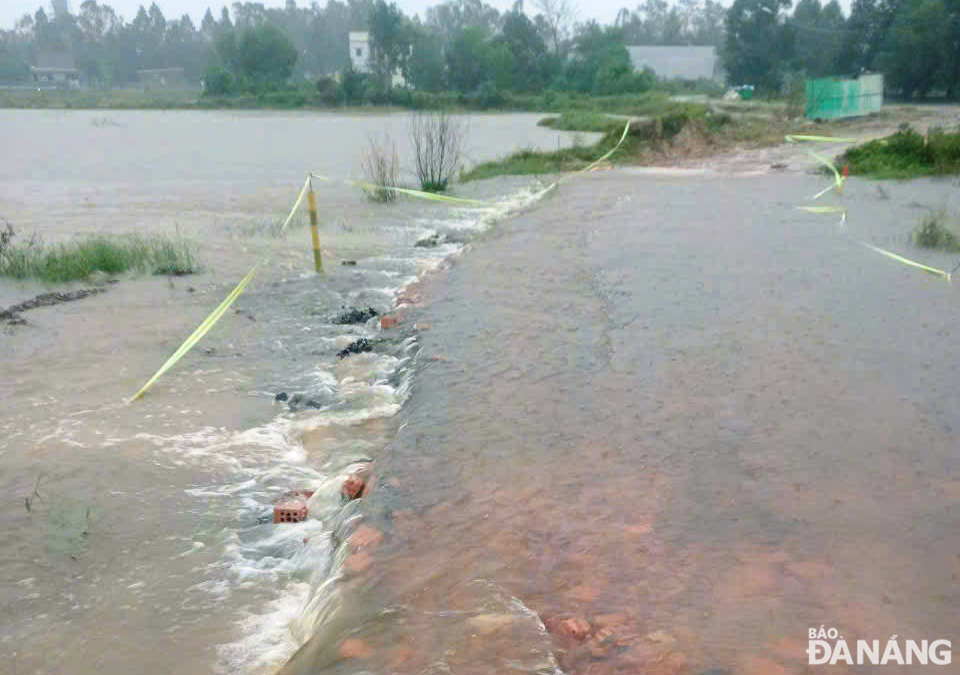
[(476, 51), (914, 43)]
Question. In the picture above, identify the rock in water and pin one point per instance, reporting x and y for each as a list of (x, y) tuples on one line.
[(356, 347), (281, 397), (429, 242), (355, 315)]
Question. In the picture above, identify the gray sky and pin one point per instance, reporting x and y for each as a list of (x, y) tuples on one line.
[(11, 10)]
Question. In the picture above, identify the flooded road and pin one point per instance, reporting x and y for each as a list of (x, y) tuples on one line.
[(679, 410), (134, 534), (656, 422)]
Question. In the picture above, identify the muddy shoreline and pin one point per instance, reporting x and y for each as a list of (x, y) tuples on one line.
[(12, 314)]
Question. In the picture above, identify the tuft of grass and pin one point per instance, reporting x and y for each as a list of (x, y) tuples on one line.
[(906, 154), (582, 121), (933, 232), (107, 255)]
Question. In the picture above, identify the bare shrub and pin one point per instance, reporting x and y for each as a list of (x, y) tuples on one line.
[(437, 141), (6, 237), (381, 165)]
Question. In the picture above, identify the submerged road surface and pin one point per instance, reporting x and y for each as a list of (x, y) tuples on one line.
[(679, 423)]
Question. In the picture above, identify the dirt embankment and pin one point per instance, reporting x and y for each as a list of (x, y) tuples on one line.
[(757, 144)]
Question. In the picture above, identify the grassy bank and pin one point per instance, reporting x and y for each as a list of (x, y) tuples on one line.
[(906, 154), (295, 98), (694, 131), (81, 259), (583, 121), (114, 99)]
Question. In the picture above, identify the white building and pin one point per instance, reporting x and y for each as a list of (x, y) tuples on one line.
[(687, 63), (360, 51), (360, 57)]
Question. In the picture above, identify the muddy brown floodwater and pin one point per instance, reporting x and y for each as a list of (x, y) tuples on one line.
[(676, 422)]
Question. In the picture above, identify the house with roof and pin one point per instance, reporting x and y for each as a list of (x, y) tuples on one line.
[(56, 69)]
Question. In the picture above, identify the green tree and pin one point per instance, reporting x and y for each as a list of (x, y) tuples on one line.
[(265, 57), (523, 60), (469, 59), (600, 63), (758, 43), (920, 29), (818, 35), (390, 37), (425, 67)]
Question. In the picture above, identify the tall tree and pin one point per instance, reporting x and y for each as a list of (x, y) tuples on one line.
[(557, 15), (390, 36), (758, 43)]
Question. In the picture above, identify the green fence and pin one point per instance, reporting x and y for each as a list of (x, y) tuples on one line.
[(830, 97)]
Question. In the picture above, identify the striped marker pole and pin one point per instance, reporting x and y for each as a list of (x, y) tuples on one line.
[(314, 232)]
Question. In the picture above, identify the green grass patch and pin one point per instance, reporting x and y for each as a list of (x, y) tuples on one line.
[(906, 154), (934, 232), (93, 99), (644, 136), (583, 121), (106, 255)]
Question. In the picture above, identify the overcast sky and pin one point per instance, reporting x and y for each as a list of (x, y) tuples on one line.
[(11, 10)]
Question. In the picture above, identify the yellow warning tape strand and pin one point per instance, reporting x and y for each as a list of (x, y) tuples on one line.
[(296, 204), (822, 209), (796, 138), (422, 195), (200, 331), (906, 261), (623, 137), (591, 165), (837, 178)]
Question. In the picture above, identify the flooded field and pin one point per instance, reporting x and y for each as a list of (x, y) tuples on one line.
[(656, 422), (144, 551)]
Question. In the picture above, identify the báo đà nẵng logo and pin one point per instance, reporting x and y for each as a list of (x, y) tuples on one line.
[(827, 647)]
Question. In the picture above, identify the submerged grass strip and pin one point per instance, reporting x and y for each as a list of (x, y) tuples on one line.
[(108, 255), (583, 121)]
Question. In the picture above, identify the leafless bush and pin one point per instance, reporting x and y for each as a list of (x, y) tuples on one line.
[(381, 166), (6, 237), (437, 140)]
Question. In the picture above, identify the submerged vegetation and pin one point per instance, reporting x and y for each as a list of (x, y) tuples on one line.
[(381, 166), (437, 141), (934, 232), (693, 130), (80, 259), (906, 154), (582, 121)]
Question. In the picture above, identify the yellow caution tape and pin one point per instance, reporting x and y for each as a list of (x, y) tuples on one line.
[(906, 261), (827, 209), (422, 195), (607, 154), (200, 331), (296, 204), (591, 165), (837, 178), (796, 138), (823, 209)]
